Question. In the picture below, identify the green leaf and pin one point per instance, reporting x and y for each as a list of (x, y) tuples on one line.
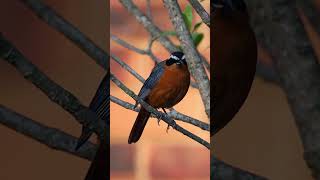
[(197, 38), (196, 26), (187, 16)]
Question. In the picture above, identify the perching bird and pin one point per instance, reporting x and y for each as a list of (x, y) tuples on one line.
[(99, 168), (166, 86), (234, 60)]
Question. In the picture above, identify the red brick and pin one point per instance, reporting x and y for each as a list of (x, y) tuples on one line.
[(179, 162)]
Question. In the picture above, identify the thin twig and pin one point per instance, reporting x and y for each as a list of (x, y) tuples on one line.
[(135, 49), (148, 25), (127, 45), (127, 67), (160, 115)]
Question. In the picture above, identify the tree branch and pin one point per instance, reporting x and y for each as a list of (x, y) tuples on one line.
[(53, 138), (283, 34), (54, 92), (148, 25), (192, 55), (58, 23), (160, 115), (201, 11), (222, 171)]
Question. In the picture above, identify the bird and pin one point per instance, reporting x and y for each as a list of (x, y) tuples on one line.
[(100, 104), (234, 60), (166, 86)]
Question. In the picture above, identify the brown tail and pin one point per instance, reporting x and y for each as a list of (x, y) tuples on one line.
[(99, 168), (139, 125)]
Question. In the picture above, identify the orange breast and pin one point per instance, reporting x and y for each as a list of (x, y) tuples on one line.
[(171, 88)]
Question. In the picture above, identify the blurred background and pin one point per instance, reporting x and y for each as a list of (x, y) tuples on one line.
[(263, 137), (22, 157), (157, 155)]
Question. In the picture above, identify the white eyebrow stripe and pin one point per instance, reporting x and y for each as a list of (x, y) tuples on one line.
[(183, 57), (174, 57)]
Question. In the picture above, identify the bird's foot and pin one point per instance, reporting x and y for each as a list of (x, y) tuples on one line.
[(159, 117), (168, 127), (164, 110)]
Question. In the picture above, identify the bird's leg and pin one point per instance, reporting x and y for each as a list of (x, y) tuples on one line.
[(159, 118), (164, 110), (168, 127)]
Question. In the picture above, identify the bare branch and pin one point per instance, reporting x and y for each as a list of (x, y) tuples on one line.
[(222, 171), (173, 114), (160, 115), (297, 67), (149, 12), (201, 11), (54, 92), (192, 55), (148, 51), (57, 22), (53, 138), (128, 68), (148, 25), (127, 45)]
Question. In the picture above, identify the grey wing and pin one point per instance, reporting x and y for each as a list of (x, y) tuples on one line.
[(152, 80)]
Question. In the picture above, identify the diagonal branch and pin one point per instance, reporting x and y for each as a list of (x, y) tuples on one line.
[(192, 55), (201, 11), (135, 49), (58, 23), (160, 115), (53, 138), (54, 92), (127, 67), (148, 25)]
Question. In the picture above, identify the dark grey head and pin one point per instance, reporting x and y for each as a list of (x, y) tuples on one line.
[(176, 58), (230, 5)]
